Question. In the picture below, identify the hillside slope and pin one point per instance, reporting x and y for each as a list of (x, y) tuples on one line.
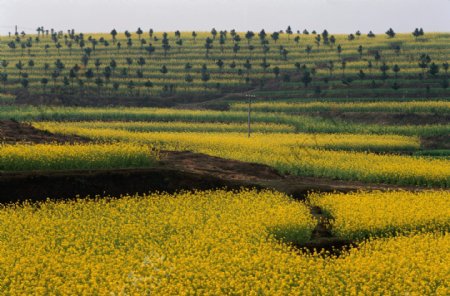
[(136, 69)]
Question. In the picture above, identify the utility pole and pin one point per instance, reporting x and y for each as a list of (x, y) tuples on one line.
[(249, 98)]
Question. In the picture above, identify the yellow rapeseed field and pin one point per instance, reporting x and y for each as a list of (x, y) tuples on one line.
[(164, 136), (22, 157), (177, 126), (295, 154), (364, 214), (187, 242), (383, 106), (207, 243)]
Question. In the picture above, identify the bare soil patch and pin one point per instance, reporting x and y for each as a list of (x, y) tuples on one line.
[(435, 142), (12, 132), (176, 171), (219, 167), (386, 118)]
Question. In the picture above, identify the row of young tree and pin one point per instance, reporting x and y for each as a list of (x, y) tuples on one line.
[(249, 35), (105, 71), (102, 77), (71, 39)]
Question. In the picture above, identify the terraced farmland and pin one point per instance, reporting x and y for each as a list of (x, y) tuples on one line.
[(72, 65), (224, 163)]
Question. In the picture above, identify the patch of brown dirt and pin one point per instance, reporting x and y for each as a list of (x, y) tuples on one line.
[(386, 118), (12, 132), (218, 167), (435, 142), (263, 176), (177, 171)]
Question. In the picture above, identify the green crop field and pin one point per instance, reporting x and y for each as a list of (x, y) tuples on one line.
[(301, 123), (155, 64)]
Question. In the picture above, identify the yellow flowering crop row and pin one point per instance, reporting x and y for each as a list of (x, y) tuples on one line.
[(177, 126), (293, 153), (22, 113), (107, 130), (383, 106), (24, 157), (304, 123), (364, 214), (345, 165), (207, 243)]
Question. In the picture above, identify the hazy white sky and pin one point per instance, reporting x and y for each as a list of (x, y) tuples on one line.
[(337, 16)]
